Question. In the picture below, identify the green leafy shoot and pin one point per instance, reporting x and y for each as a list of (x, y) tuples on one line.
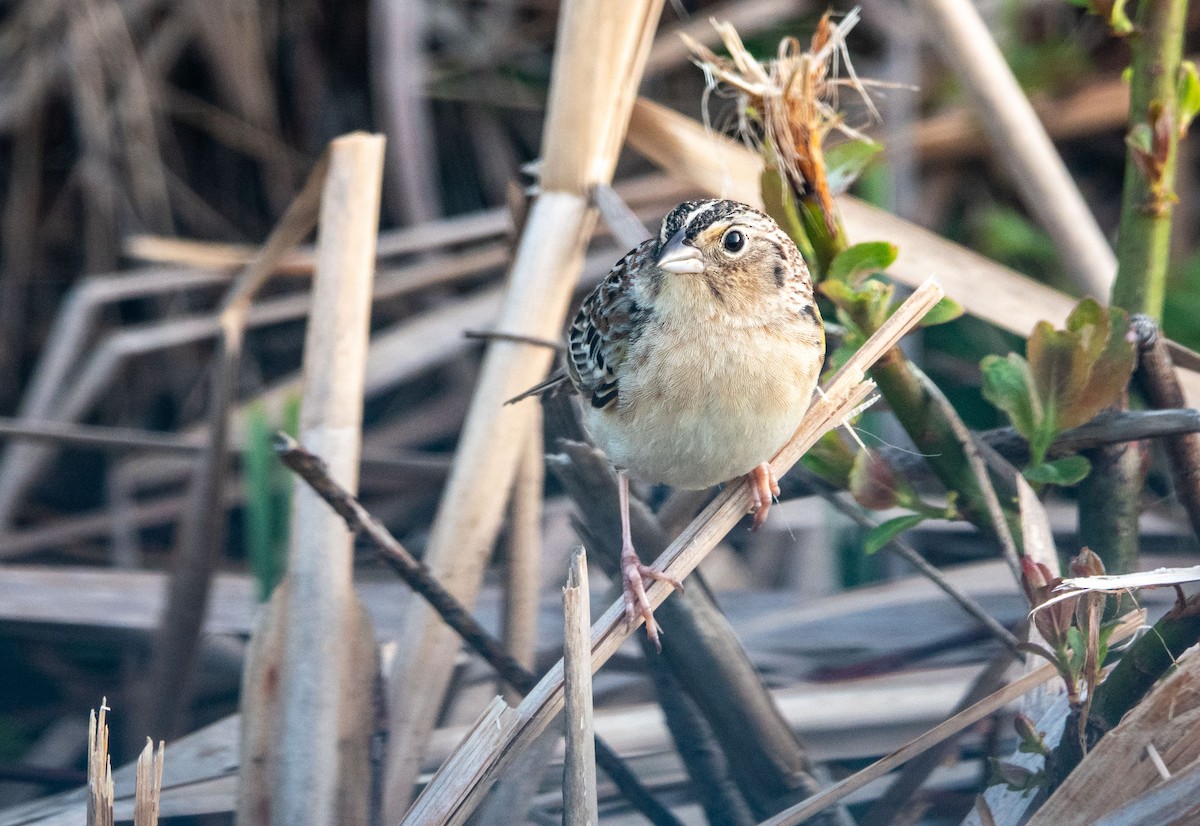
[(268, 497), (1067, 377), (855, 263), (945, 311), (831, 459), (780, 204)]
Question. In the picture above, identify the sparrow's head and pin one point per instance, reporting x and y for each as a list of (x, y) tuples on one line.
[(726, 254)]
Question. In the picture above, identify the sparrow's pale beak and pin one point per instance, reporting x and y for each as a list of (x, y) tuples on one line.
[(680, 257)]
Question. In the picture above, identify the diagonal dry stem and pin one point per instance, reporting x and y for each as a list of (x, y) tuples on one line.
[(502, 732)]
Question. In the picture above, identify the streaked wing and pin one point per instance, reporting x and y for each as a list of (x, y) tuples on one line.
[(607, 323)]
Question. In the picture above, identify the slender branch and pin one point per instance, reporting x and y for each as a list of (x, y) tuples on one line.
[(1160, 386), (312, 470), (912, 557)]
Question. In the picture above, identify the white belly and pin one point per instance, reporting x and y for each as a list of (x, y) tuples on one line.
[(707, 414)]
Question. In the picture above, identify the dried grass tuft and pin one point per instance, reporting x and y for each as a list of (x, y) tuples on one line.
[(789, 106)]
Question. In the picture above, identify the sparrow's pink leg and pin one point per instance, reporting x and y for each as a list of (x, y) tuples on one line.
[(763, 486), (632, 571)]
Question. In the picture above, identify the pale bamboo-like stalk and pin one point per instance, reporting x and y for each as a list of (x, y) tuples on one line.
[(202, 533), (502, 732), (523, 571), (989, 291), (579, 766), (1021, 143), (148, 784), (307, 692), (598, 65)]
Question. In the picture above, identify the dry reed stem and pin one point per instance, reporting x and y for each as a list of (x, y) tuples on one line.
[(1022, 144), (597, 68), (148, 784), (502, 732), (399, 73), (202, 533), (579, 766), (523, 573), (308, 696), (100, 782)]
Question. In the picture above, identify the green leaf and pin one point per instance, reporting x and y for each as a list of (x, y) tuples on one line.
[(779, 203), (260, 512), (945, 310), (1058, 362), (1091, 323), (1008, 384), (1110, 357), (1078, 648), (846, 161), (856, 262), (1067, 471), (884, 533), (1189, 95)]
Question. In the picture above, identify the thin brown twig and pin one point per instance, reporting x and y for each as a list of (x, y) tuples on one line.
[(496, 335), (910, 555), (1156, 376)]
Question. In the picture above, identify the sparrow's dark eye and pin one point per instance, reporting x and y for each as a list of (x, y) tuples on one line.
[(734, 241)]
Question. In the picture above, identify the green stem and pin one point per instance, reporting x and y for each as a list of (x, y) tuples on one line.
[(1148, 199), (1109, 497)]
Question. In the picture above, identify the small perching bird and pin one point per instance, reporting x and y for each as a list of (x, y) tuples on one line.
[(696, 358)]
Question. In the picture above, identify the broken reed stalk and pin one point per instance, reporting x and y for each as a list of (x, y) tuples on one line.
[(312, 470), (1021, 143), (598, 64), (579, 765), (148, 784), (100, 782), (1122, 766), (502, 732), (201, 541), (307, 693)]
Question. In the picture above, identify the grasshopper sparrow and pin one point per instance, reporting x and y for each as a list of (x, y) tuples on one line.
[(696, 359)]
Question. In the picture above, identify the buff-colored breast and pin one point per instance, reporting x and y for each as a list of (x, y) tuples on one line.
[(701, 404)]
